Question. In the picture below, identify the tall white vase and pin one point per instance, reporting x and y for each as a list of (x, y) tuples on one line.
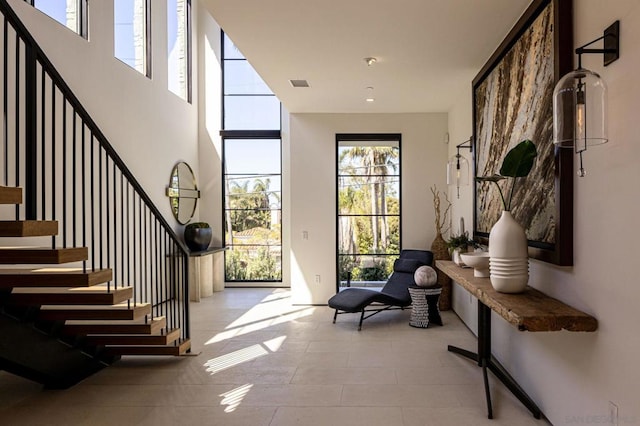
[(508, 255)]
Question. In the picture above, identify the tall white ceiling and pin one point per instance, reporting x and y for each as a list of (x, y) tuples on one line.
[(428, 51)]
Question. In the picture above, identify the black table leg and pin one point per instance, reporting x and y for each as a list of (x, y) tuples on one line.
[(487, 392), (488, 362), (499, 371)]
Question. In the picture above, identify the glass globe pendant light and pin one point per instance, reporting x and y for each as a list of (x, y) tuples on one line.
[(580, 101), (458, 168)]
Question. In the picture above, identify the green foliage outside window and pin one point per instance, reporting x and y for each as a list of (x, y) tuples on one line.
[(369, 209)]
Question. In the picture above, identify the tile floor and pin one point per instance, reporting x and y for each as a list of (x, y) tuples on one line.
[(261, 361)]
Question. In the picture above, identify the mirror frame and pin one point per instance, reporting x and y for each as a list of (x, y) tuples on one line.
[(176, 191)]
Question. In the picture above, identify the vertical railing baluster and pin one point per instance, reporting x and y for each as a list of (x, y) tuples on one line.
[(100, 243), (128, 245), (5, 100), (114, 214), (132, 242), (158, 253), (30, 135), (166, 263), (143, 238), (43, 144), (17, 126), (107, 205), (84, 191), (107, 211), (143, 290), (53, 154), (122, 243), (149, 260), (64, 171), (74, 183), (92, 183), (175, 293), (185, 295), (171, 295)]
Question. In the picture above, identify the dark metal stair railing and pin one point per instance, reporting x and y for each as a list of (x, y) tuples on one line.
[(70, 173)]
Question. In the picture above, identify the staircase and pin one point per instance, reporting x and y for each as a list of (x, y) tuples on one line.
[(59, 325), (90, 270)]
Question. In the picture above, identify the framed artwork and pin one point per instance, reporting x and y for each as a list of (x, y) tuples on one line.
[(512, 101)]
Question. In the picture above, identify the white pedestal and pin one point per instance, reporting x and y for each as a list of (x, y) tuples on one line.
[(202, 282)]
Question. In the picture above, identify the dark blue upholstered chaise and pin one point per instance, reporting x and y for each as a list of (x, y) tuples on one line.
[(394, 294)]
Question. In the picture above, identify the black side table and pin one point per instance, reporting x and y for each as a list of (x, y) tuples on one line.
[(424, 306)]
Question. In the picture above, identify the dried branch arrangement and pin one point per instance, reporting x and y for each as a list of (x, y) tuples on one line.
[(441, 219)]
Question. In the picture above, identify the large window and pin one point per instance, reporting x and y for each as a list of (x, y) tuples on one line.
[(132, 34), (253, 219), (368, 217), (70, 13), (249, 104), (179, 47), (252, 173)]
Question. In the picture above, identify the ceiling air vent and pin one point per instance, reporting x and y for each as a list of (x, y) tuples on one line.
[(299, 83)]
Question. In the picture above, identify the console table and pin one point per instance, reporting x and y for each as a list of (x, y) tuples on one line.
[(531, 310), (201, 277)]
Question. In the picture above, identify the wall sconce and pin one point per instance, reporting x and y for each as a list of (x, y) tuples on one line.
[(458, 167), (580, 100)]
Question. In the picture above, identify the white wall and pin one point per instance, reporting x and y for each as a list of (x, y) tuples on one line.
[(210, 119), (209, 140), (150, 127), (573, 376), (311, 174)]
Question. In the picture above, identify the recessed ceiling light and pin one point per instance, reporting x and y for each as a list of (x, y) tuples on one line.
[(370, 97), (299, 83), (370, 60)]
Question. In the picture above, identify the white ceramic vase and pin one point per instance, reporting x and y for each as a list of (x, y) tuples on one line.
[(508, 255), (455, 256)]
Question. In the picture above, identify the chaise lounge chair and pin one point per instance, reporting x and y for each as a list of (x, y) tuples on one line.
[(394, 294)]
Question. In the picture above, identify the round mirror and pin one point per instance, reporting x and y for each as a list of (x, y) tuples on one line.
[(183, 193)]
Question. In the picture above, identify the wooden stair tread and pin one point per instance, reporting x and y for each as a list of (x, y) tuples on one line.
[(178, 348), (137, 326), (42, 255), (121, 311), (96, 295), (53, 277), (28, 228), (10, 195), (97, 289), (161, 339)]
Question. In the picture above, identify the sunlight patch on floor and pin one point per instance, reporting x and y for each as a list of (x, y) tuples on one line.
[(274, 309), (274, 344), (234, 397), (232, 359), (272, 306), (240, 356)]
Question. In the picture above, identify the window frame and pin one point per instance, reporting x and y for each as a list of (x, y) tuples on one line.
[(147, 72), (224, 37), (83, 17), (243, 135), (235, 134), (189, 53), (366, 137)]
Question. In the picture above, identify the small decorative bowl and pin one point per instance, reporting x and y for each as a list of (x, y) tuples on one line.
[(479, 261)]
